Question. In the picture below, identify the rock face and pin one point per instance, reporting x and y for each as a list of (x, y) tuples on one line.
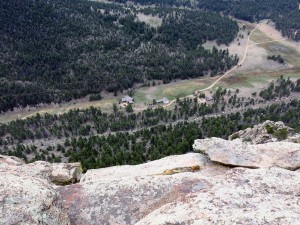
[(241, 196), (268, 131), (195, 188), (214, 194), (238, 153), (126, 194), (27, 192), (29, 200)]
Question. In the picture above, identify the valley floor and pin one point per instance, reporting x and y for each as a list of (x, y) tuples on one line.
[(252, 74)]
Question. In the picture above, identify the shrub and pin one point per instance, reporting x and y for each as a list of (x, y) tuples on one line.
[(281, 134), (269, 129)]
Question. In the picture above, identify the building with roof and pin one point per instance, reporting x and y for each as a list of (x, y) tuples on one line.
[(127, 99), (209, 98), (163, 100)]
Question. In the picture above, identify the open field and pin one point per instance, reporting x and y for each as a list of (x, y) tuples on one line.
[(254, 74), (153, 21), (257, 69), (259, 36), (256, 81), (105, 105), (172, 90)]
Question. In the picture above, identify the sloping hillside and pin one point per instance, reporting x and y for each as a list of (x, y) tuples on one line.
[(53, 51)]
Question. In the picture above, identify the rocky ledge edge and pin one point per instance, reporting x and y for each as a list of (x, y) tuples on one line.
[(252, 178)]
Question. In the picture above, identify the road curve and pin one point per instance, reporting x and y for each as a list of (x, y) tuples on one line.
[(225, 74), (235, 67)]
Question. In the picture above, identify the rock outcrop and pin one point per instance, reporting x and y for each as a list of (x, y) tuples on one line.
[(238, 153), (240, 196), (57, 173), (195, 188), (28, 194), (25, 199), (126, 194), (268, 131), (265, 145)]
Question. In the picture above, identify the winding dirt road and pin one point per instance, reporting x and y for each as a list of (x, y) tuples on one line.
[(234, 68)]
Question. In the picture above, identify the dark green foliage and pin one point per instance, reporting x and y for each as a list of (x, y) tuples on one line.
[(58, 50), (155, 142), (194, 28), (282, 87), (93, 121), (129, 108), (281, 134), (124, 148), (269, 129), (95, 97), (277, 58), (285, 13)]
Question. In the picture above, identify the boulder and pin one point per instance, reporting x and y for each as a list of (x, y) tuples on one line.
[(238, 153), (268, 131), (65, 173), (57, 173), (151, 168), (29, 200)]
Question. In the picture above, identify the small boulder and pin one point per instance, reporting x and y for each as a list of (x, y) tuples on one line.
[(57, 173), (65, 173)]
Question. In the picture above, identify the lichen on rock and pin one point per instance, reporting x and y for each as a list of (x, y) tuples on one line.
[(181, 170)]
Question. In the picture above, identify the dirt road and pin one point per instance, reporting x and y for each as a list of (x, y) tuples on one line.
[(225, 74), (235, 67)]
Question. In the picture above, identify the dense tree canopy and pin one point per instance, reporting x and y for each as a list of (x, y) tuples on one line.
[(285, 13), (53, 51), (99, 139), (158, 141)]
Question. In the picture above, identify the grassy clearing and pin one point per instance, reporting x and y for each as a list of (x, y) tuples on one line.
[(105, 105), (288, 50), (258, 36), (254, 80), (171, 91), (153, 21), (290, 54)]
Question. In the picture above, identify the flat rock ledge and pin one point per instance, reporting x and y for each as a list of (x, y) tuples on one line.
[(191, 189), (238, 153)]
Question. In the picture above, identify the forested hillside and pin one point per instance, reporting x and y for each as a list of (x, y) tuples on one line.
[(53, 51), (98, 139), (156, 142), (285, 13)]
